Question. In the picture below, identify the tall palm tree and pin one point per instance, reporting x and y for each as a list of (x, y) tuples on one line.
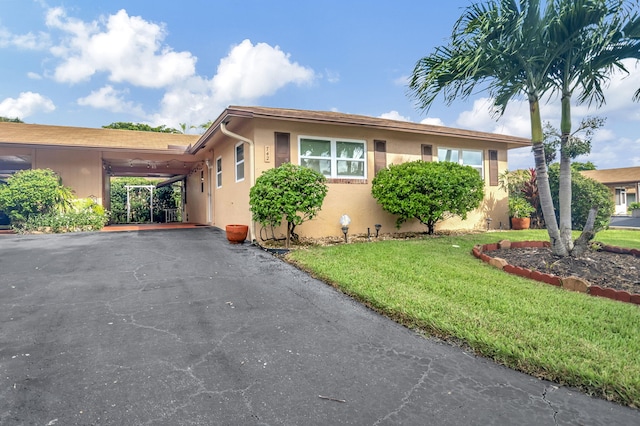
[(595, 37), (513, 48)]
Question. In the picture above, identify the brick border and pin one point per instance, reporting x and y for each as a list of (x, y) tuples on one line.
[(569, 283)]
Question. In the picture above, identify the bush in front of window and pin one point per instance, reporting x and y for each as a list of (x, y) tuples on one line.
[(428, 191), (288, 192)]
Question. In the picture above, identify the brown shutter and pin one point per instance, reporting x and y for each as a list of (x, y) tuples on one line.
[(493, 167), (380, 155), (427, 152), (283, 152)]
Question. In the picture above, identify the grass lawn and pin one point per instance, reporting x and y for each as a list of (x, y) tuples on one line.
[(435, 285)]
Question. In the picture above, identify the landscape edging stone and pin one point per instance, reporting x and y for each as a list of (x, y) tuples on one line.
[(479, 251)]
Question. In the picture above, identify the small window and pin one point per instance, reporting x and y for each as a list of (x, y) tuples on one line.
[(465, 157), (219, 172), (334, 158), (240, 162)]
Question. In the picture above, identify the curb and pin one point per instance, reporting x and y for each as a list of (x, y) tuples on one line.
[(568, 283)]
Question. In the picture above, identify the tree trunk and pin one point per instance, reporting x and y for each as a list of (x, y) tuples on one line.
[(582, 243), (544, 191), (564, 195)]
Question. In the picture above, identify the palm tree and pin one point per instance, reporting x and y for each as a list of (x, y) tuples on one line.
[(595, 37), (513, 48)]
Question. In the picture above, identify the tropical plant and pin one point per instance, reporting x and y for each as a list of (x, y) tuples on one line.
[(521, 48), (84, 215), (587, 193), (520, 208), (428, 191), (33, 192), (291, 192)]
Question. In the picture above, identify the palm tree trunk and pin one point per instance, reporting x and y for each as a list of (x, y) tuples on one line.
[(544, 191), (565, 174)]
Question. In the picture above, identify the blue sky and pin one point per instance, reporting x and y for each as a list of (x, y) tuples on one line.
[(90, 63)]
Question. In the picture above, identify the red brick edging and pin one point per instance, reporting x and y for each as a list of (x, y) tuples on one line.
[(569, 283)]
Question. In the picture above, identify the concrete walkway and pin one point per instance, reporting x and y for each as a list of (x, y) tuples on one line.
[(178, 327)]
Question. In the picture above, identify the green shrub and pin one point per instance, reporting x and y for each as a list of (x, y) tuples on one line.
[(428, 191), (585, 193), (292, 192), (85, 215), (33, 192), (634, 206)]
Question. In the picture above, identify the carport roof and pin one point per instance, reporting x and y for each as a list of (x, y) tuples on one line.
[(39, 134)]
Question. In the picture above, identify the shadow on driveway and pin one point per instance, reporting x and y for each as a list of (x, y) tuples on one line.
[(179, 327)]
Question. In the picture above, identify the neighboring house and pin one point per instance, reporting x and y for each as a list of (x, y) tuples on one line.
[(624, 184), (218, 168)]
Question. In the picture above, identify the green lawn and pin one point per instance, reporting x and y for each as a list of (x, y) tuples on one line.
[(435, 285)]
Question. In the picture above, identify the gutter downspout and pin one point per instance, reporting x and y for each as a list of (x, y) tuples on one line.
[(252, 178), (209, 193)]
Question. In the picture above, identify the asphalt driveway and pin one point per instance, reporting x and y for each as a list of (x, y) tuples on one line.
[(179, 327)]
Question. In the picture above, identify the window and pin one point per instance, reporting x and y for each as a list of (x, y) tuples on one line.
[(465, 157), (240, 162), (334, 158), (219, 172)]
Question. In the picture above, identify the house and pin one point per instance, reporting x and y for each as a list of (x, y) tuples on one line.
[(624, 184), (218, 168)]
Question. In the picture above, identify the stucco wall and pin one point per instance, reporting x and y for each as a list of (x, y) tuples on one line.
[(231, 202), (80, 170)]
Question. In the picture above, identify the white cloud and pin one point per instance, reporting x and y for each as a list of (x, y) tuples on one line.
[(332, 76), (252, 71), (127, 48), (34, 76), (401, 81), (246, 74), (27, 103), (394, 115), (28, 41), (432, 121), (112, 100)]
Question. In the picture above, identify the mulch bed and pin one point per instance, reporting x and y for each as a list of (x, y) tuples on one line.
[(603, 268)]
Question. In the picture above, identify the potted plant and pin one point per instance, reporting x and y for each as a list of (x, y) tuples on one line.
[(635, 209), (520, 211)]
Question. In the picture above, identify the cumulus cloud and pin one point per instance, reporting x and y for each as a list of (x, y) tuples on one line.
[(252, 71), (127, 48), (27, 103), (433, 121), (394, 115), (246, 74), (112, 100)]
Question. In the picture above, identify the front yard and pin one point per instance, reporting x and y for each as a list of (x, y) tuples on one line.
[(436, 286)]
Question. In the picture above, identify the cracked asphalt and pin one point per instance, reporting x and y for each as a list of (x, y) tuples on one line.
[(178, 327)]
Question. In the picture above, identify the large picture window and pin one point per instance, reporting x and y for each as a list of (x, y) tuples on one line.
[(239, 162), (465, 157), (334, 158)]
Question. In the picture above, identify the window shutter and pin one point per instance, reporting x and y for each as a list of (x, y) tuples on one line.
[(493, 167), (283, 152), (427, 152), (380, 155)]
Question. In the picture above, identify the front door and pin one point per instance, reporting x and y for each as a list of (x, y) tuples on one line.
[(621, 201)]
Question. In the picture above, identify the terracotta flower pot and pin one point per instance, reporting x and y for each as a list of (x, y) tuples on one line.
[(236, 234), (518, 223)]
